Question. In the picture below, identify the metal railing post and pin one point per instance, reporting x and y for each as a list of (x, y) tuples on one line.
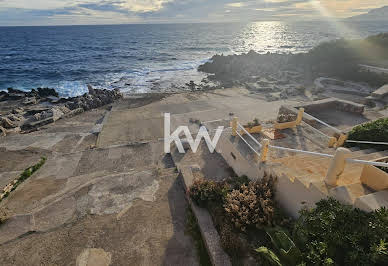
[(337, 166), (234, 126), (264, 149)]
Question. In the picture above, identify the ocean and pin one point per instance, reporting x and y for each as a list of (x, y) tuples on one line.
[(146, 58)]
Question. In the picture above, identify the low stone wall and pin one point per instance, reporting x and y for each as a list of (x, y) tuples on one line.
[(333, 103), (209, 233)]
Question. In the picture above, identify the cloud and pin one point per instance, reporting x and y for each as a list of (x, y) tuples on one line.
[(32, 12)]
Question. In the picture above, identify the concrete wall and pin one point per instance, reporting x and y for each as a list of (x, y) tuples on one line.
[(337, 104), (374, 177), (291, 195), (237, 161)]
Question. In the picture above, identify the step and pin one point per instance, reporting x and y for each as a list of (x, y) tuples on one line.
[(373, 201), (349, 178), (289, 172), (354, 149), (320, 187), (307, 180), (369, 157), (366, 151), (349, 193)]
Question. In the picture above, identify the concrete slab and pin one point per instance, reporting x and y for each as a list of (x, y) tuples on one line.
[(94, 257), (381, 92)]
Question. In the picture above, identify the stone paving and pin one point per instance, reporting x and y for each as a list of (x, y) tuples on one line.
[(107, 191)]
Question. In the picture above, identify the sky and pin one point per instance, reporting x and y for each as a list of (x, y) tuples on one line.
[(75, 12)]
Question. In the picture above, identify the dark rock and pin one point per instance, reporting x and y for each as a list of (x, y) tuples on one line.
[(3, 132), (53, 99), (18, 110), (35, 124), (36, 109), (14, 96), (91, 90), (12, 90), (14, 118), (6, 123), (29, 101), (45, 92)]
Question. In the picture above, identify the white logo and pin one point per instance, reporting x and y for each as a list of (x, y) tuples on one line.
[(174, 137)]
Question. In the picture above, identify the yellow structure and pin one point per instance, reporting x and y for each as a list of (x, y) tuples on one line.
[(251, 130), (234, 126), (337, 166), (341, 140), (374, 177), (332, 142), (300, 116), (264, 149), (291, 124)]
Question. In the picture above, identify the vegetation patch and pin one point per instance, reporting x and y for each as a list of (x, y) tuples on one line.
[(193, 230), (375, 131), (26, 174), (252, 124), (253, 227), (240, 209), (333, 233)]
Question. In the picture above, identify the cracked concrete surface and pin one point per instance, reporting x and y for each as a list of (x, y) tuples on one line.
[(106, 194)]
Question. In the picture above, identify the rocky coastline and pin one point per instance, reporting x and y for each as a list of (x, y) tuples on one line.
[(272, 75), (23, 112)]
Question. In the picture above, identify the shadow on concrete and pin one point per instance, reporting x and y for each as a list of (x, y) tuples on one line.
[(180, 248)]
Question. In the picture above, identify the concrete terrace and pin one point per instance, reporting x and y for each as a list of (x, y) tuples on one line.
[(107, 190)]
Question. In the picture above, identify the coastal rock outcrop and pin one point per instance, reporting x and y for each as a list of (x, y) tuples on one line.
[(43, 106)]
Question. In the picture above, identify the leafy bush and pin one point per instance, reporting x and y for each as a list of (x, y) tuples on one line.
[(202, 191), (376, 131), (252, 205), (288, 253), (238, 181), (255, 123), (335, 233)]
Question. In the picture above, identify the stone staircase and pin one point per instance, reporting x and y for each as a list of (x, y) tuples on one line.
[(307, 174)]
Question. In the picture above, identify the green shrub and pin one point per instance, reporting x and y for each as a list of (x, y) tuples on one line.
[(337, 233), (376, 131), (238, 181), (202, 191), (288, 253), (253, 205)]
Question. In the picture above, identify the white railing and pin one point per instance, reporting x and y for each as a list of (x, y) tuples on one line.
[(246, 142), (301, 151), (246, 132), (326, 124), (265, 146), (367, 142), (317, 130), (349, 160)]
